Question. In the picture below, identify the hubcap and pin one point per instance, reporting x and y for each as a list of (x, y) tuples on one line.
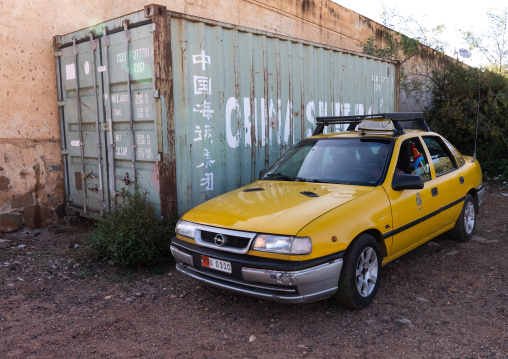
[(366, 272), (469, 218)]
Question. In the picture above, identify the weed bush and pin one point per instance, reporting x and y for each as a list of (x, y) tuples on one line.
[(132, 235)]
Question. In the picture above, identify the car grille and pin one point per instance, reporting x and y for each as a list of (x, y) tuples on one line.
[(231, 241)]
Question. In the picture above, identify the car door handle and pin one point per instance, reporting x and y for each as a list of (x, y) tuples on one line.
[(461, 180), (434, 192)]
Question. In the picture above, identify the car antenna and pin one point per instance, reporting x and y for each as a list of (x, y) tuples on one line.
[(477, 118)]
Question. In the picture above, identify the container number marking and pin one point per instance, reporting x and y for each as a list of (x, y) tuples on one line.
[(139, 67)]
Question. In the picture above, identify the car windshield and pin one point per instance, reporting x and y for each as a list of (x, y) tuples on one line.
[(348, 161)]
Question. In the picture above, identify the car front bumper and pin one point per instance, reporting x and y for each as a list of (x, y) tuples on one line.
[(288, 282)]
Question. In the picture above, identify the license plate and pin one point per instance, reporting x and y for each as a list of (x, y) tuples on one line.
[(216, 264)]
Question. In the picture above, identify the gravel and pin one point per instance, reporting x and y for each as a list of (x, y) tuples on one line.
[(442, 300)]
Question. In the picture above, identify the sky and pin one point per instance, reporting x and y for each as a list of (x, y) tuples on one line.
[(464, 15)]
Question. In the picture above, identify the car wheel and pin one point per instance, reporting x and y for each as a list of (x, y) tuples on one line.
[(466, 223), (360, 274)]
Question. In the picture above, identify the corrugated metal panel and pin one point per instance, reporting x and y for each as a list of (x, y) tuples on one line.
[(192, 108), (242, 99)]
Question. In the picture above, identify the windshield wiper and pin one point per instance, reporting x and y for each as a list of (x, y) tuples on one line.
[(284, 177), (300, 179), (278, 175), (317, 181), (329, 181)]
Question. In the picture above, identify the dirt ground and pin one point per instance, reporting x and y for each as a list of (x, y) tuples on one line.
[(443, 300)]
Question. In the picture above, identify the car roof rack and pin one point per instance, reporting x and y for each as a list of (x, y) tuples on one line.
[(400, 120)]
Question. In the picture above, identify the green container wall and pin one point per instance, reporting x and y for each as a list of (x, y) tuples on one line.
[(210, 105)]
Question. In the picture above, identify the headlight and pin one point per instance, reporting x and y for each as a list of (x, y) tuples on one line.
[(282, 244), (185, 229)]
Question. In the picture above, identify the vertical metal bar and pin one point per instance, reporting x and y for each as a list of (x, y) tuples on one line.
[(93, 47), (131, 116), (81, 143), (397, 85), (109, 115), (62, 126), (266, 101)]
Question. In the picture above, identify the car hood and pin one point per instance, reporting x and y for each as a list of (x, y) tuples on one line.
[(274, 207)]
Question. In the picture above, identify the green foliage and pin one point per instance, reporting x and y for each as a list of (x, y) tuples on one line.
[(454, 109), (396, 47), (132, 235)]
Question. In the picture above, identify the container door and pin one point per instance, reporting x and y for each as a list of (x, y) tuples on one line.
[(109, 111), (130, 112), (82, 110)]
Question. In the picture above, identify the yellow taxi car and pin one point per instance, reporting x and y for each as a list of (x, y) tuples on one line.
[(329, 213)]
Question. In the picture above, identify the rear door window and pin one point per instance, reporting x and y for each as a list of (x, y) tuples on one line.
[(460, 160), (441, 157)]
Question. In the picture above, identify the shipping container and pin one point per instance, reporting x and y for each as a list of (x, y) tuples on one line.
[(189, 108)]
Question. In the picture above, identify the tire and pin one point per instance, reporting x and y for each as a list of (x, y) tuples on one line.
[(466, 223), (360, 274)]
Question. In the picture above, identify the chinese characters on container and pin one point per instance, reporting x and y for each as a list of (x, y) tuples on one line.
[(203, 131)]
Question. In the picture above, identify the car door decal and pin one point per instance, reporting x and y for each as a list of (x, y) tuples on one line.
[(419, 201)]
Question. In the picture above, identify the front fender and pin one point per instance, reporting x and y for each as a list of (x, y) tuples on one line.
[(333, 231)]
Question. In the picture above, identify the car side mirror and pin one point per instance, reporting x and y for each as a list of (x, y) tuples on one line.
[(402, 182)]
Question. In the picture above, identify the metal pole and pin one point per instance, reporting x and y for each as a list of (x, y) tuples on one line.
[(93, 47), (81, 143), (131, 116), (62, 126), (109, 115)]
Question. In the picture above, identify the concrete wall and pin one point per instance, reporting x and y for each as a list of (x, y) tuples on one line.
[(31, 176)]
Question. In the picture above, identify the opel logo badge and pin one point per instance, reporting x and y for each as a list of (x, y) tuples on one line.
[(220, 239)]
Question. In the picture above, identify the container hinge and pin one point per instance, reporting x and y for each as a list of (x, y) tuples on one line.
[(58, 53), (105, 37), (65, 152), (157, 94), (126, 30), (126, 179), (94, 188), (93, 43), (75, 48), (154, 28), (69, 199), (159, 157), (61, 103), (104, 127), (90, 174)]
